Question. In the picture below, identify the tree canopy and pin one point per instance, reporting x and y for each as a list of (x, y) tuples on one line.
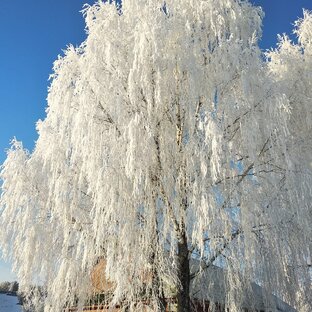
[(169, 138)]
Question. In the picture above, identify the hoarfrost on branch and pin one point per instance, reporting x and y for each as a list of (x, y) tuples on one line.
[(168, 139)]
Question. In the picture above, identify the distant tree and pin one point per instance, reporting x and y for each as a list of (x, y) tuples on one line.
[(168, 139), (13, 287), (4, 286)]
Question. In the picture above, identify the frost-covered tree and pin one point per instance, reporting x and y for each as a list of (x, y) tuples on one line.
[(4, 287), (169, 146)]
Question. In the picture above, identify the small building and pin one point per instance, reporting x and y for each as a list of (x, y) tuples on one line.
[(206, 296)]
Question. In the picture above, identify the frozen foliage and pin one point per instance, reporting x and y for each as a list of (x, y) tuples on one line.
[(168, 138)]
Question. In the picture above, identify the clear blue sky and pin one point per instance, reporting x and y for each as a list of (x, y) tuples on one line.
[(34, 32)]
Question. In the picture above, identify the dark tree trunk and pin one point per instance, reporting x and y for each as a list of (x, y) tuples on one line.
[(183, 295)]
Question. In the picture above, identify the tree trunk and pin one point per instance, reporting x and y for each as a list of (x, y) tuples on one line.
[(157, 289), (183, 295)]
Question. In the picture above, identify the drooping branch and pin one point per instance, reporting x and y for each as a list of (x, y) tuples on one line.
[(209, 262)]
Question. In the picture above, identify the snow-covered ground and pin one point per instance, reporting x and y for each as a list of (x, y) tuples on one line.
[(9, 304)]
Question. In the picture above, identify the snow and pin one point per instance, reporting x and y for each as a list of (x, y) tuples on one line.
[(9, 304)]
